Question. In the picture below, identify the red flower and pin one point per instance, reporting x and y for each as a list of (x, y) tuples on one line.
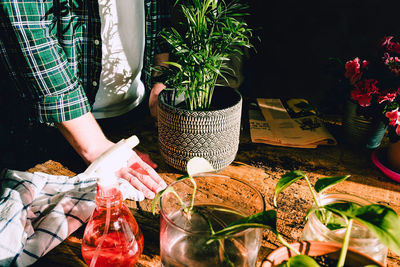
[(393, 116), (387, 95), (354, 69), (389, 45), (393, 63), (363, 91)]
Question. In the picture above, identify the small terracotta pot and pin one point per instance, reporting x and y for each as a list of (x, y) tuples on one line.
[(318, 248)]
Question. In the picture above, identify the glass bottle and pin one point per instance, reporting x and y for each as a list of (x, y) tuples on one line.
[(112, 236)]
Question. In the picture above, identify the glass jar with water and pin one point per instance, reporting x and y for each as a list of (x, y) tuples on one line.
[(361, 238), (219, 200)]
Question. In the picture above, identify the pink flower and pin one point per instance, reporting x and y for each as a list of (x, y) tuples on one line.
[(363, 91), (354, 69), (394, 117), (387, 95), (393, 63), (386, 41), (389, 45)]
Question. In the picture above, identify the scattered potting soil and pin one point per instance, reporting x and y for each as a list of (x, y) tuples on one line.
[(325, 261)]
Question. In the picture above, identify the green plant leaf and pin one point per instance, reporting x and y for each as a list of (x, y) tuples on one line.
[(326, 182), (384, 222), (300, 261), (381, 220), (173, 64), (264, 219), (286, 180)]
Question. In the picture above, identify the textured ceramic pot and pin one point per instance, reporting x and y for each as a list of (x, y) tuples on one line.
[(361, 131), (354, 258), (212, 134)]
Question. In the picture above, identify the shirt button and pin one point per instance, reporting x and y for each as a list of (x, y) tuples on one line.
[(96, 42), (94, 83)]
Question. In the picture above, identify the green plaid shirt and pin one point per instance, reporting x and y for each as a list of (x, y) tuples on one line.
[(51, 49)]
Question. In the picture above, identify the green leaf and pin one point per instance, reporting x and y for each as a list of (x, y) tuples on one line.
[(326, 182), (381, 220), (384, 222), (332, 222), (263, 219), (174, 64), (344, 209), (285, 181), (300, 261)]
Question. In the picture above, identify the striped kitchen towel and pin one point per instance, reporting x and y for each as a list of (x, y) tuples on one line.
[(38, 211)]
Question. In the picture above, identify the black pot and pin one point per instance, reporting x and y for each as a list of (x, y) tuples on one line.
[(212, 134)]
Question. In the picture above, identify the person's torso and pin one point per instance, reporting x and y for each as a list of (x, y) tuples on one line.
[(123, 40)]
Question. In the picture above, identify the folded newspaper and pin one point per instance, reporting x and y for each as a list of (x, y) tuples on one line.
[(290, 123)]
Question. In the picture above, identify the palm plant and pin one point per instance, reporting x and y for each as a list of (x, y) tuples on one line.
[(213, 31)]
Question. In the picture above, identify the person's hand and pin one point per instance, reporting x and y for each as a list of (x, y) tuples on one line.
[(142, 176), (153, 99)]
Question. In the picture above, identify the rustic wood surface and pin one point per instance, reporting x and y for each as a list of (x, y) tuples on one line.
[(260, 165)]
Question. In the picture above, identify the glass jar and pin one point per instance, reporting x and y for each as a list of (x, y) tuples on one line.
[(361, 238), (219, 200)]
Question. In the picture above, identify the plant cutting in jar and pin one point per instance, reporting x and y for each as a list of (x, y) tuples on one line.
[(381, 220), (221, 235)]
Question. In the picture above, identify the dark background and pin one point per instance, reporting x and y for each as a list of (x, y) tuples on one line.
[(299, 37)]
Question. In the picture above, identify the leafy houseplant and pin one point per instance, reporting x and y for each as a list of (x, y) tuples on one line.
[(207, 122), (381, 220), (214, 32)]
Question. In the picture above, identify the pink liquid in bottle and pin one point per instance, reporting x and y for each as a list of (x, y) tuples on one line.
[(122, 243)]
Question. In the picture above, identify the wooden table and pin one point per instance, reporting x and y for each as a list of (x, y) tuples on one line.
[(261, 165)]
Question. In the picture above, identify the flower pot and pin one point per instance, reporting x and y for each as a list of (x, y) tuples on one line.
[(360, 130), (354, 258), (361, 238), (212, 134), (183, 239), (393, 156)]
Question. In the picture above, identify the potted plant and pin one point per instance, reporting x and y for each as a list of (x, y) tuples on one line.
[(196, 116), (374, 95), (347, 215)]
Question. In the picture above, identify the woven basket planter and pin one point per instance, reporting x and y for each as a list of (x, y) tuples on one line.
[(213, 135)]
